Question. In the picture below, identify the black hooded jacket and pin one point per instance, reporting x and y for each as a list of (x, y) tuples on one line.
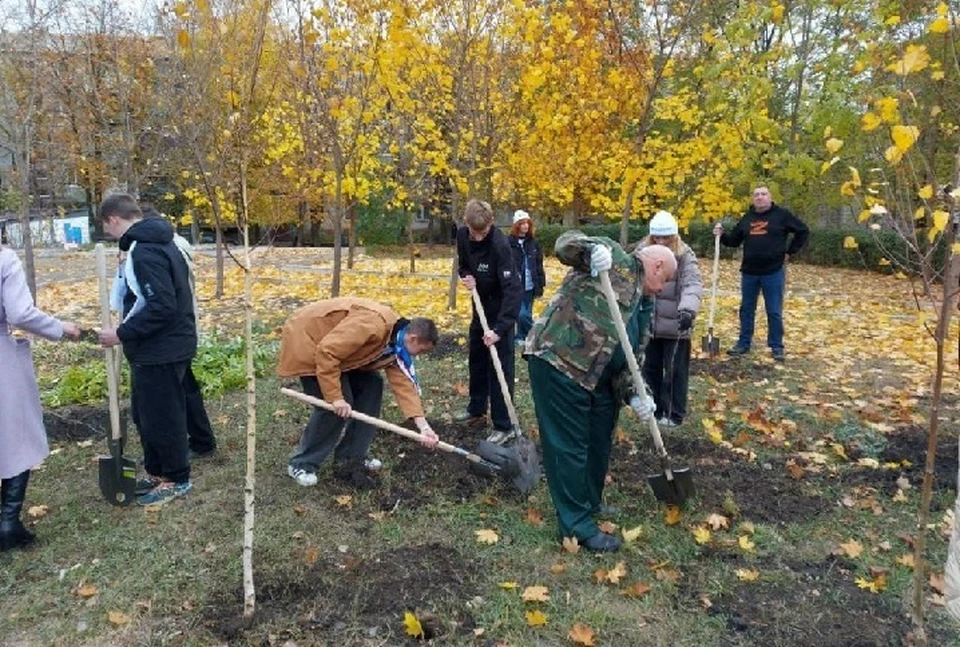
[(490, 261), (164, 330)]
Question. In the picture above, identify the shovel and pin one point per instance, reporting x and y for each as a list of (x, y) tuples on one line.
[(504, 462), (709, 343), (523, 446), (672, 486), (118, 475)]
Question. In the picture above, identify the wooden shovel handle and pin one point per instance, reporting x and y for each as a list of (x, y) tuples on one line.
[(638, 384), (377, 422), (110, 354), (716, 276), (497, 366)]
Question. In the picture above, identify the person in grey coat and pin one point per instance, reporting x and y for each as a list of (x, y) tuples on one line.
[(666, 363), (23, 440)]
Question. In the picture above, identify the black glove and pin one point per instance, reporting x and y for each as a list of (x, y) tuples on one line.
[(686, 320)]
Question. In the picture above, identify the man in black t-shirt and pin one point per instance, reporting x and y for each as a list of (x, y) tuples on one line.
[(763, 231), (486, 262)]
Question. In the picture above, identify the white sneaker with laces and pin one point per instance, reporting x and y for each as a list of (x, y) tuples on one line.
[(500, 437), (302, 476), (666, 422), (372, 464)]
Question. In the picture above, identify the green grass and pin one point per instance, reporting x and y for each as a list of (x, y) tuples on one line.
[(176, 574)]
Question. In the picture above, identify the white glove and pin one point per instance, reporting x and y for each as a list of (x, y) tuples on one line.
[(643, 406), (601, 260)]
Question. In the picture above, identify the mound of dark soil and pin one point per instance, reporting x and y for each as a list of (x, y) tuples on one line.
[(78, 422), (760, 494), (811, 604), (344, 599)]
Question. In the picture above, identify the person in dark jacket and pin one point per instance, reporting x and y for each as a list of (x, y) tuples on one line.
[(528, 260), (486, 263), (159, 337), (763, 231)]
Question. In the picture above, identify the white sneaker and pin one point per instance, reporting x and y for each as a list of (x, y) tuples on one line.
[(302, 476), (372, 464), (666, 422), (500, 437)]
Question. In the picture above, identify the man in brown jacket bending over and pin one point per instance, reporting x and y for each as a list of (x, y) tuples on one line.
[(337, 348)]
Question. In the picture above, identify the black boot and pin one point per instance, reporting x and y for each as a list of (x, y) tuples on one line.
[(12, 532)]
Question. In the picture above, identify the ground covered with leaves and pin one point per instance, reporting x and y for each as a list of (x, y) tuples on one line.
[(808, 475)]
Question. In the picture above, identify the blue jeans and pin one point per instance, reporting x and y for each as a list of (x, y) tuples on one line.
[(772, 286), (525, 318)]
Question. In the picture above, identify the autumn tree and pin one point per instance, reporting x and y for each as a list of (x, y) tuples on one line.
[(910, 186)]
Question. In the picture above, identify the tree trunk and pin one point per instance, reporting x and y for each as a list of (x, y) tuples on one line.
[(627, 211), (306, 224), (920, 572), (455, 265), (249, 488), (411, 245), (353, 236), (218, 293), (337, 233), (25, 232)]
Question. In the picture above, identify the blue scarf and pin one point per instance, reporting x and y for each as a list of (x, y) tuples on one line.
[(404, 358)]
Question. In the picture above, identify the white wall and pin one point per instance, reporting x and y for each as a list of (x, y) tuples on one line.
[(52, 231)]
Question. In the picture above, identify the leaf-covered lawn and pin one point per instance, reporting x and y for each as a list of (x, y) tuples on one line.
[(808, 475)]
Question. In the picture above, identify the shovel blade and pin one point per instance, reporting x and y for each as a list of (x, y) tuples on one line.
[(674, 491), (710, 345), (505, 459), (118, 482)]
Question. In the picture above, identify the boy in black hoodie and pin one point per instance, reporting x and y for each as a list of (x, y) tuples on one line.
[(763, 231), (486, 263), (159, 338)]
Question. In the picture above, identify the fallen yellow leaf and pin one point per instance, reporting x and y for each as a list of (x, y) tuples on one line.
[(344, 500), (581, 634), (571, 545), (37, 511), (508, 586), (536, 618), (635, 590), (718, 521), (631, 535), (746, 544), (487, 536), (117, 618), (701, 535), (87, 591), (906, 560), (411, 625), (535, 594), (852, 548), (748, 574), (876, 585), (672, 515)]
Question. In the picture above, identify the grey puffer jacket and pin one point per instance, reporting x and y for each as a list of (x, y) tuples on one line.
[(683, 292)]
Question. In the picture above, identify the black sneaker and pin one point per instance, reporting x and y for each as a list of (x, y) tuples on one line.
[(601, 543), (355, 473), (738, 350), (146, 484), (778, 354), (195, 455)]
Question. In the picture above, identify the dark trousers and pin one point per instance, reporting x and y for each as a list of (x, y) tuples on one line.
[(525, 318), (666, 370), (327, 432), (199, 430), (772, 286), (158, 407), (576, 434), (484, 384)]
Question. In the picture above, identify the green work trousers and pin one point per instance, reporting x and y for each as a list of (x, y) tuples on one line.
[(576, 433)]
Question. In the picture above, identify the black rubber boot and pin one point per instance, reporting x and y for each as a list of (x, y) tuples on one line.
[(13, 534)]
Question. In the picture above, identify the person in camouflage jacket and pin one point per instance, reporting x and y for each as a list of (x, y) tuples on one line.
[(577, 365)]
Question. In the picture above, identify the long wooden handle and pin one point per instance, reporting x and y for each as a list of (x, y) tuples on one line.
[(110, 354), (716, 275), (638, 384), (377, 422), (497, 366)]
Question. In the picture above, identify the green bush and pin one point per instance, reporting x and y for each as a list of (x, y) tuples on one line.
[(824, 247)]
